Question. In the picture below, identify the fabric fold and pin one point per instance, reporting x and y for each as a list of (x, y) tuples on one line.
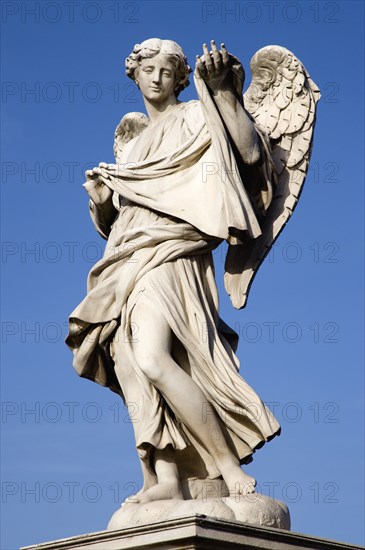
[(172, 212)]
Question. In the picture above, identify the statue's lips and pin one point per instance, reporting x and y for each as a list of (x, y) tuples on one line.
[(155, 89)]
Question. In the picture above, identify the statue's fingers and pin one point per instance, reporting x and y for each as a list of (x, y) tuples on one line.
[(103, 165), (225, 56), (200, 65), (90, 176), (111, 170), (207, 58), (214, 47), (217, 59), (103, 173)]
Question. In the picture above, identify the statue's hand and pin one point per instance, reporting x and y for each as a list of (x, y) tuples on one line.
[(98, 192), (213, 66)]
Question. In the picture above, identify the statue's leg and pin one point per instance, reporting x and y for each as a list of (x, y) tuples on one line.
[(161, 481), (152, 353), (168, 486), (131, 391)]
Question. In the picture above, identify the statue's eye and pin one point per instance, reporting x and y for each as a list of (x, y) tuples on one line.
[(167, 73)]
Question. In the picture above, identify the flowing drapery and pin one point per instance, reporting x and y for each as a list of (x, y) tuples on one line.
[(179, 193)]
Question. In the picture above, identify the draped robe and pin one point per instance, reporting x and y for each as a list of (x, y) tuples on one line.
[(179, 193)]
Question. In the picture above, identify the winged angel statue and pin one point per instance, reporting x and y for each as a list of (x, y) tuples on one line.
[(187, 177)]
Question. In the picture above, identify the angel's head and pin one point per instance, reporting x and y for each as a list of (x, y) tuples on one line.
[(169, 59)]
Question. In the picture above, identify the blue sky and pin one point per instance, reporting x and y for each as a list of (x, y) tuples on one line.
[(67, 465)]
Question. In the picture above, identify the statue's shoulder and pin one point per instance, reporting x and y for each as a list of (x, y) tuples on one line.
[(193, 114), (192, 106), (131, 125)]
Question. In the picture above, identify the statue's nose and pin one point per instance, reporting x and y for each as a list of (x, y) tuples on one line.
[(156, 77)]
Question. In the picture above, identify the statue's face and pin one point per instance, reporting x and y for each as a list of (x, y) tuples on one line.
[(156, 78)]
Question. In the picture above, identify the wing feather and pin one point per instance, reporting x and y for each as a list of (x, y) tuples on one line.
[(282, 100), (131, 125)]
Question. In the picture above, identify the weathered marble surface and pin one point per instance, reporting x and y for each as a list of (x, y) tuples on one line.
[(187, 177), (253, 509)]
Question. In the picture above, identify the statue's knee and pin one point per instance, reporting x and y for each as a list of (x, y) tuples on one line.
[(152, 371), (149, 365)]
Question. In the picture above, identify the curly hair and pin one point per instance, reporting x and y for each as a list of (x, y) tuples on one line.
[(153, 46)]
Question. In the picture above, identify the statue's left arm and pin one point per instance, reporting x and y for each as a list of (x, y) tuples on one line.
[(102, 210)]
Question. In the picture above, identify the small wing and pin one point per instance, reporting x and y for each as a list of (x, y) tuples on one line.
[(282, 100), (131, 125)]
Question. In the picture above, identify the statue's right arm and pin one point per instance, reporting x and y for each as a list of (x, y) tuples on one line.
[(102, 210)]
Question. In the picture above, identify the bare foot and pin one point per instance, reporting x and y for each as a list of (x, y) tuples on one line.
[(133, 499), (238, 482), (162, 491)]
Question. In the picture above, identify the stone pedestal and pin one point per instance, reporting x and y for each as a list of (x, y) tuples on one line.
[(194, 532), (252, 509)]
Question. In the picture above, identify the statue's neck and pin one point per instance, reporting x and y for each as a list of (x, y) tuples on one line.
[(156, 111)]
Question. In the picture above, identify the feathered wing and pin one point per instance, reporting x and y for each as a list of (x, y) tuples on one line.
[(131, 125), (282, 101)]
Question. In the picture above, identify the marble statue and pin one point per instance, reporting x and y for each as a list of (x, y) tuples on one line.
[(187, 177)]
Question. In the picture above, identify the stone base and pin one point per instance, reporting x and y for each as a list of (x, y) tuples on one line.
[(195, 532), (253, 509)]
